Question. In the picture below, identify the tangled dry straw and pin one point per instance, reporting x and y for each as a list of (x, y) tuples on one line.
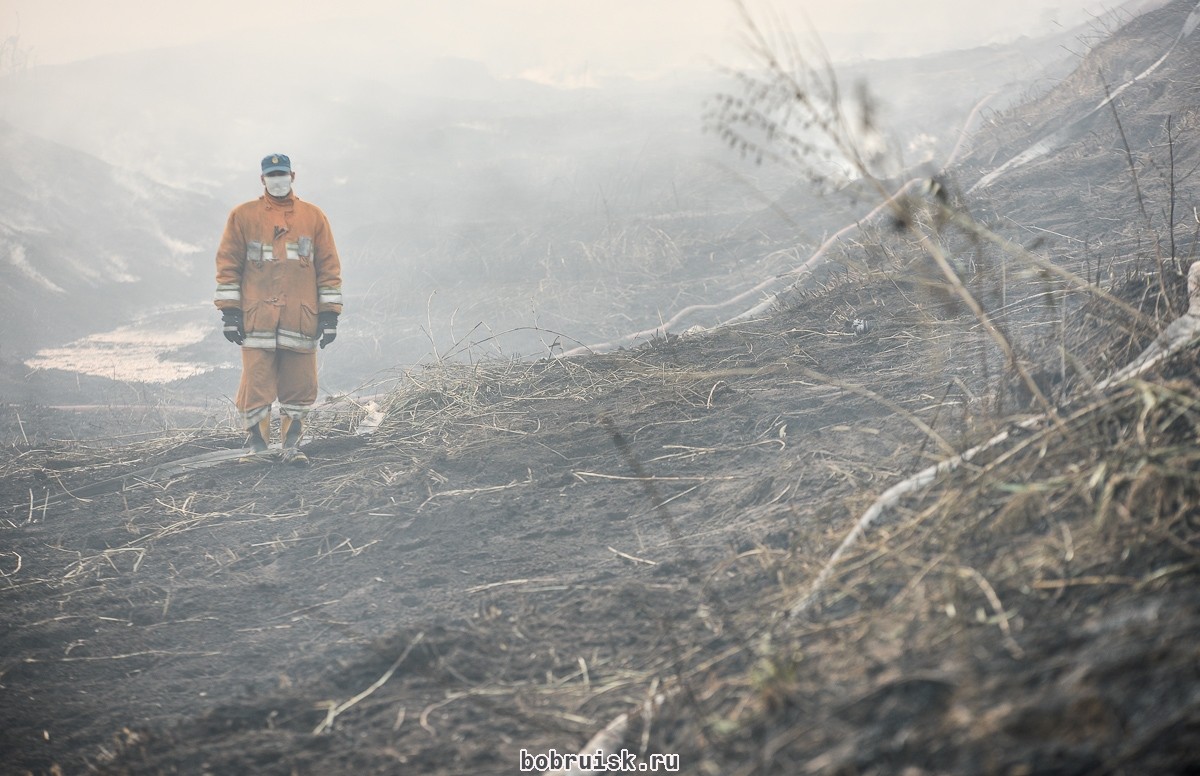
[(1048, 511)]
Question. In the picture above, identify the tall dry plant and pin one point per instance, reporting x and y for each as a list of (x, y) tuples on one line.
[(788, 107)]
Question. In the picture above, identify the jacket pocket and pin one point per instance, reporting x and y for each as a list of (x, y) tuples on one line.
[(308, 320), (261, 319)]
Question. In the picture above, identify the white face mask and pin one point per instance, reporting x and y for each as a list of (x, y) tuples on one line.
[(278, 185)]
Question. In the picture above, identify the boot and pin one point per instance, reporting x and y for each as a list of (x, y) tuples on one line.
[(259, 439), (291, 429)]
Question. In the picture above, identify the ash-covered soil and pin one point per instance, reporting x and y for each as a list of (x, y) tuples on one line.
[(551, 529), (550, 545), (524, 551)]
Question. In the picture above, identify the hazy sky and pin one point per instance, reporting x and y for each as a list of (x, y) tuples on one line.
[(556, 37)]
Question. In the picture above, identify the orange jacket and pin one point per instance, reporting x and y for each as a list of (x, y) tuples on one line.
[(277, 262)]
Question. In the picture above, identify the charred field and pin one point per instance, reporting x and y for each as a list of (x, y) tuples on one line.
[(667, 542)]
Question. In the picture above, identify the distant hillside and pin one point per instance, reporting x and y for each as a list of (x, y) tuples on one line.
[(84, 244)]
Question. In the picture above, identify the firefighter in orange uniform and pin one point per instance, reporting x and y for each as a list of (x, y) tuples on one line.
[(279, 289)]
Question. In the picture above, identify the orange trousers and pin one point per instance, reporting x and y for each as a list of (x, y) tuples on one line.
[(267, 375)]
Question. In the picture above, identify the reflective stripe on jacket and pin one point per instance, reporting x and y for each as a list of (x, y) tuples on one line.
[(278, 263)]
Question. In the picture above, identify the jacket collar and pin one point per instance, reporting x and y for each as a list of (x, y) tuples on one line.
[(287, 203)]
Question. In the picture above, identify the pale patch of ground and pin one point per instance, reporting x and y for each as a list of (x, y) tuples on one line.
[(139, 352)]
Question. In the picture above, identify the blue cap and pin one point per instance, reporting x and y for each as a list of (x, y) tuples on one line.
[(276, 162)]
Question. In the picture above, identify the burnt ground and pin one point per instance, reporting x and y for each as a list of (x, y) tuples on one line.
[(522, 552), (508, 513), (550, 545)]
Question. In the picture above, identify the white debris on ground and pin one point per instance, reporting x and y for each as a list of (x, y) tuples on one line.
[(372, 417)]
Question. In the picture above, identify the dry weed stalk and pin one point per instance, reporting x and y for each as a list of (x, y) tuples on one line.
[(791, 108), (334, 710)]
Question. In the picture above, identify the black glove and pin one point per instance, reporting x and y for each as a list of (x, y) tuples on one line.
[(235, 328), (327, 327)]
